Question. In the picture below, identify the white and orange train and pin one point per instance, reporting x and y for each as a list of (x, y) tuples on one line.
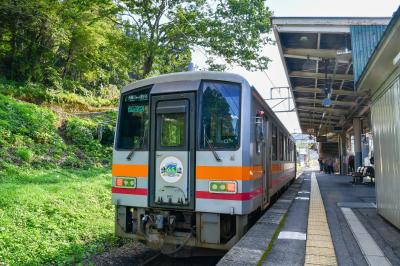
[(197, 156)]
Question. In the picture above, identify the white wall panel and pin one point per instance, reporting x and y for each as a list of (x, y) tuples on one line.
[(385, 114)]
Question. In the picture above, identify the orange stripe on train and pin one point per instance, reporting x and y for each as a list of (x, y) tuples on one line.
[(241, 173), (276, 168), (202, 172), (135, 170)]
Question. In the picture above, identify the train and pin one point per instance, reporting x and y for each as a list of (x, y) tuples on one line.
[(197, 157)]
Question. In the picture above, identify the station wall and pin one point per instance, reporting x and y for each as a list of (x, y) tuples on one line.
[(385, 114)]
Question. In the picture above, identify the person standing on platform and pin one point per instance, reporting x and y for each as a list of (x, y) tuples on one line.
[(351, 164), (321, 165)]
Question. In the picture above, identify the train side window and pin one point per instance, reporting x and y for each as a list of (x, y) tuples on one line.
[(133, 128), (259, 130), (287, 148), (220, 115), (281, 147), (274, 143), (284, 148), (293, 151)]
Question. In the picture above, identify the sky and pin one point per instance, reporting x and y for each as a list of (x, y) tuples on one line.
[(301, 8)]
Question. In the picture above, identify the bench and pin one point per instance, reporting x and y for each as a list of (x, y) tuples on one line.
[(364, 171)]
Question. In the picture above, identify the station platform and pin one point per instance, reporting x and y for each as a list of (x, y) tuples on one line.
[(320, 220)]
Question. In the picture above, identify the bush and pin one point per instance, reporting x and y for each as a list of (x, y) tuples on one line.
[(24, 154), (74, 97), (29, 135), (80, 131), (24, 118), (83, 134)]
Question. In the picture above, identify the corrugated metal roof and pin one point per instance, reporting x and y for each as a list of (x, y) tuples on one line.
[(364, 39)]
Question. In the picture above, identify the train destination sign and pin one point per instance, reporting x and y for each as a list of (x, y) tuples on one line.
[(133, 98), (136, 109)]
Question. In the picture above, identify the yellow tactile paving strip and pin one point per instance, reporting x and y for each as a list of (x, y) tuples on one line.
[(319, 247)]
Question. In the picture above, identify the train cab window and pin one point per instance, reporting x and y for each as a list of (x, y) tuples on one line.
[(274, 143), (133, 125), (220, 115)]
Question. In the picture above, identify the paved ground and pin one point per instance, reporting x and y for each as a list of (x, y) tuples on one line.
[(358, 198), (336, 189)]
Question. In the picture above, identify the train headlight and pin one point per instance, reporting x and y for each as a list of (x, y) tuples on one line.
[(222, 187), (125, 182)]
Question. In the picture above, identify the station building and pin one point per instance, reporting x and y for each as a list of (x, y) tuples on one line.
[(344, 74)]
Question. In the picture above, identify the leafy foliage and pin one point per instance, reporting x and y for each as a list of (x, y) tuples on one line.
[(84, 135), (30, 137), (67, 101), (61, 43), (92, 45), (166, 30)]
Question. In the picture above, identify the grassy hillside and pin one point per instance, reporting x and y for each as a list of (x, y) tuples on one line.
[(55, 180), (69, 101), (55, 217), (33, 136)]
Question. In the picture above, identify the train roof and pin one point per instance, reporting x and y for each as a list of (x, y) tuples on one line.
[(186, 76)]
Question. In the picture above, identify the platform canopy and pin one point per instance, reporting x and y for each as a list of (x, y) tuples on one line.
[(318, 60)]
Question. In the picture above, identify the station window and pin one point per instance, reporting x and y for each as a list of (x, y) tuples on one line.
[(281, 147), (220, 115), (274, 143), (133, 128)]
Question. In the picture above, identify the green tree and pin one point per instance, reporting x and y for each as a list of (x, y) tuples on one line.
[(88, 45), (66, 43), (165, 30)]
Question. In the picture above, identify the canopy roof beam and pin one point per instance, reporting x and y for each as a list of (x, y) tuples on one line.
[(319, 116), (322, 109), (317, 121), (307, 100), (318, 90), (303, 74), (307, 53)]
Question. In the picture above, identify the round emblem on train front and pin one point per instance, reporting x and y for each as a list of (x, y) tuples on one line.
[(171, 169)]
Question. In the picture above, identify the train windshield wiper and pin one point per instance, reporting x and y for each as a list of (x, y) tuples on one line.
[(132, 152), (212, 148)]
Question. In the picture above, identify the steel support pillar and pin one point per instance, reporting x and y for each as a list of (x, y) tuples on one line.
[(357, 142), (343, 154)]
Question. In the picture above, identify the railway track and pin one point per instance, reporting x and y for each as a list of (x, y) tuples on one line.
[(160, 259)]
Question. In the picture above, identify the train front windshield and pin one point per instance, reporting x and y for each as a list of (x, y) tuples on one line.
[(219, 120), (133, 130), (220, 115)]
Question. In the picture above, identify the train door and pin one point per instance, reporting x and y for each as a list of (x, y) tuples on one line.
[(172, 151), (262, 145), (266, 162)]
